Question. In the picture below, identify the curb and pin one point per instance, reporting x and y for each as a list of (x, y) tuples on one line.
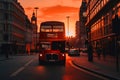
[(96, 72)]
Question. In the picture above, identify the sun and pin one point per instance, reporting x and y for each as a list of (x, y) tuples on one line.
[(70, 34)]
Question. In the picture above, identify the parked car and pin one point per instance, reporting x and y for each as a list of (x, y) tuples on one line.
[(84, 50), (74, 52)]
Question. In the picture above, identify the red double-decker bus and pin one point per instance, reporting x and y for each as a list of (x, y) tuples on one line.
[(52, 42)]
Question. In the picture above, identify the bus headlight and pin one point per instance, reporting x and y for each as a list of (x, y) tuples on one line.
[(40, 55), (63, 54)]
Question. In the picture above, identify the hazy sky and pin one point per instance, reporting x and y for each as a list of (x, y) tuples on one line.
[(54, 10)]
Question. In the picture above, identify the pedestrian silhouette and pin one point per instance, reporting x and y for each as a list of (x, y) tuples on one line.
[(98, 50), (90, 52), (104, 54)]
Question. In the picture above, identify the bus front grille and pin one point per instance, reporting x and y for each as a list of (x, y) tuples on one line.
[(51, 57)]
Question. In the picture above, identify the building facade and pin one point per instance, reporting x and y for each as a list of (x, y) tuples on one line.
[(77, 30), (12, 27), (28, 37), (100, 14)]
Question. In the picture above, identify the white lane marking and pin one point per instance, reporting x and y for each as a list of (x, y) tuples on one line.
[(28, 63), (21, 69), (104, 78), (16, 72)]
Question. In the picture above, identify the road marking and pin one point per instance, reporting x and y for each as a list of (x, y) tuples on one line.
[(21, 69), (28, 63), (16, 72), (104, 78)]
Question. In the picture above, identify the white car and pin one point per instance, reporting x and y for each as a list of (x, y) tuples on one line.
[(74, 52), (84, 50)]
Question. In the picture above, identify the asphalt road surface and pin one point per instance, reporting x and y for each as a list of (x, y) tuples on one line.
[(27, 68)]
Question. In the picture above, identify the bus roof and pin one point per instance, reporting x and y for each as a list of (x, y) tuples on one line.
[(52, 23)]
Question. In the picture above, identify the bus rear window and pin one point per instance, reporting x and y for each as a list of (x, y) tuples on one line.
[(46, 28), (57, 28)]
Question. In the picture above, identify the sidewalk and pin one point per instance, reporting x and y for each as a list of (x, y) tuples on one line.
[(106, 68), (3, 57)]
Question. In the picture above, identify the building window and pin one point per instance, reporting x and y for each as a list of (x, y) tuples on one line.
[(1, 6), (5, 27), (6, 16), (6, 5)]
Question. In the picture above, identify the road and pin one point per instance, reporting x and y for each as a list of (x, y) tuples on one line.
[(27, 68)]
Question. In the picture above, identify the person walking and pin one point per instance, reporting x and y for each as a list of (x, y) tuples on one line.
[(98, 50), (90, 52), (104, 53)]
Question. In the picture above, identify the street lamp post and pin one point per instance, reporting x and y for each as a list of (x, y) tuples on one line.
[(115, 25), (88, 41), (68, 24), (68, 43), (36, 8)]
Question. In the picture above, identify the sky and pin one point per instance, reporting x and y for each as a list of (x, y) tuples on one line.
[(54, 10)]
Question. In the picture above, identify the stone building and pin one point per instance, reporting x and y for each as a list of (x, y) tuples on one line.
[(12, 27)]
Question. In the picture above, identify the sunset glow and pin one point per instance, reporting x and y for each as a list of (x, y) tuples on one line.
[(54, 10)]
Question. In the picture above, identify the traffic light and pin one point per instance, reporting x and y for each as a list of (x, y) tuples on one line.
[(116, 25)]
